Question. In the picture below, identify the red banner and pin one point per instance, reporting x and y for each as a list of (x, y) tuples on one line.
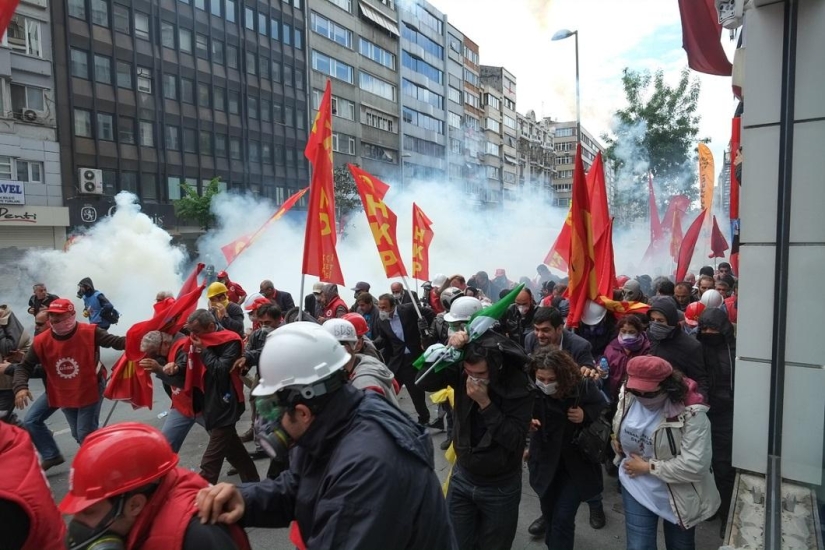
[(582, 285), (688, 246), (605, 262), (7, 8), (191, 282), (718, 243), (557, 257), (320, 256), (597, 194), (383, 221), (422, 237)]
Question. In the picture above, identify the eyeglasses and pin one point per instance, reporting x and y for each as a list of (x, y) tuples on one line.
[(646, 394)]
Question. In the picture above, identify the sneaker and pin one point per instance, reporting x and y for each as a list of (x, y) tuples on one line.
[(538, 527), (247, 436), (232, 472), (52, 462), (597, 517), (437, 424), (446, 444)]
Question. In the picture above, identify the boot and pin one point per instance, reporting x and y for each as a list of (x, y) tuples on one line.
[(597, 517), (247, 436), (538, 527)]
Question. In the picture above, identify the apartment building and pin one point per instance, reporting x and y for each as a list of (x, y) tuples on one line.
[(536, 157), (31, 199), (491, 152), (155, 93), (565, 141), (504, 82), (475, 175), (455, 107)]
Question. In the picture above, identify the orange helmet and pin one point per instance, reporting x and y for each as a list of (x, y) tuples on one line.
[(358, 322), (692, 313), (115, 460)]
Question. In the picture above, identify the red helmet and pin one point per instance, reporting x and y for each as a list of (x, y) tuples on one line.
[(621, 280), (692, 313), (358, 322), (115, 460), (222, 275)]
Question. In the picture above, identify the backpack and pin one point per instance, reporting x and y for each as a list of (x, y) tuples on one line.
[(111, 316)]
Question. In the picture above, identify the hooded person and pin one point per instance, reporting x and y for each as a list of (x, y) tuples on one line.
[(486, 286), (332, 305), (669, 341), (96, 306)]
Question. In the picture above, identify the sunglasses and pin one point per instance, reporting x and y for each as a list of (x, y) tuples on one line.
[(646, 394)]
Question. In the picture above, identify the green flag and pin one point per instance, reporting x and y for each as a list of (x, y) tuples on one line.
[(484, 319)]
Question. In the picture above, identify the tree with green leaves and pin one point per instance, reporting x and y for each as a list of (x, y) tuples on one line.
[(657, 132), (197, 207), (347, 199)]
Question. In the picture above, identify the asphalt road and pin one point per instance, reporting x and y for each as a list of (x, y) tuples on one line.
[(612, 537)]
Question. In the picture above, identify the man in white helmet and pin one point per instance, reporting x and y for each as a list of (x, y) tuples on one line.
[(361, 472)]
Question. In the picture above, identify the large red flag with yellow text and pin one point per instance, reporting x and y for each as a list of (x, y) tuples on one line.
[(582, 273), (383, 221), (422, 237), (320, 256)]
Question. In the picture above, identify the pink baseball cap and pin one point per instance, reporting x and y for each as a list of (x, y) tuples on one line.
[(646, 372)]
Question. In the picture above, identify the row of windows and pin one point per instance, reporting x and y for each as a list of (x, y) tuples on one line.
[(472, 99), (471, 55), (330, 30), (421, 67), (332, 67), (427, 19), (430, 46), (423, 121), (171, 36), (376, 53), (342, 108), (423, 147), (470, 77), (15, 169), (420, 93), (376, 86)]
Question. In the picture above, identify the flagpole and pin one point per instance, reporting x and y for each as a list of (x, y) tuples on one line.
[(109, 416), (412, 296), (301, 297), (429, 370)]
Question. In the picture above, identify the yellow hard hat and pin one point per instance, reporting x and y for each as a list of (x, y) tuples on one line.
[(216, 289)]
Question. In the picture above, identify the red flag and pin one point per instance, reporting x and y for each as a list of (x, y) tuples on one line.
[(383, 221), (676, 234), (655, 223), (597, 192), (191, 282), (130, 382), (735, 141), (7, 8), (678, 203), (605, 264), (558, 254), (582, 284), (422, 237), (718, 244), (320, 257), (688, 245), (701, 33)]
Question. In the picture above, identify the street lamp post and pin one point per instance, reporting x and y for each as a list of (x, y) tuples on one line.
[(561, 35)]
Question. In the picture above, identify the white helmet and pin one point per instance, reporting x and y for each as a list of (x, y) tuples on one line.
[(712, 299), (298, 355), (593, 313), (342, 330), (439, 280), (462, 309)]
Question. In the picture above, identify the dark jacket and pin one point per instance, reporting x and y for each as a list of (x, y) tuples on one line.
[(346, 477), (89, 299), (579, 349), (311, 305), (516, 325), (407, 300), (552, 443), (283, 300), (233, 320), (392, 348), (718, 351), (617, 359), (489, 443), (254, 347), (681, 350), (599, 335), (36, 305)]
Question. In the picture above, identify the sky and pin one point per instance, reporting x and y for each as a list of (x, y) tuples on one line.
[(613, 34)]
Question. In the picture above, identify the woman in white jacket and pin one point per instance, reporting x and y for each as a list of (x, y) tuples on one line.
[(661, 436)]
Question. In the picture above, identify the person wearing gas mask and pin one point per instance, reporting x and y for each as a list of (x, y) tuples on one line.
[(632, 292), (518, 320), (96, 305), (440, 328), (69, 354), (28, 514), (228, 314), (127, 492), (352, 456)]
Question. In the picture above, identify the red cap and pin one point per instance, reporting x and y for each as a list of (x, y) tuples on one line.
[(646, 372), (257, 303), (61, 305), (222, 275)]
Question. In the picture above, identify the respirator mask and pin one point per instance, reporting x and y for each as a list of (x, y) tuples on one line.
[(82, 537), (269, 432)]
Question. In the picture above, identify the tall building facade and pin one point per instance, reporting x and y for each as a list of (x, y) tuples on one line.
[(155, 93), (455, 107), (354, 44), (475, 175), (491, 157), (31, 198), (566, 140), (504, 83), (536, 157)]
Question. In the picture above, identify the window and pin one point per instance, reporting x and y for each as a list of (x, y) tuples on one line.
[(262, 23), (217, 51), (455, 146), (254, 151), (277, 113), (120, 14), (231, 57), (375, 85), (234, 102), (286, 33), (77, 8), (429, 46), (266, 110), (167, 34), (249, 19), (147, 133), (375, 152), (509, 122), (423, 147), (105, 127), (128, 181), (82, 123), (345, 5), (219, 98), (378, 120), (148, 187), (276, 70), (200, 4), (235, 148), (332, 67), (264, 66), (493, 125), (252, 107), (26, 97), (173, 138), (470, 77), (342, 108), (205, 142), (471, 123), (423, 121), (299, 79), (298, 39), (266, 153), (80, 63), (493, 173), (144, 80), (454, 95), (471, 55), (141, 25), (331, 30), (493, 149), (202, 46), (420, 93), (187, 90), (472, 99), (190, 140), (565, 132), (100, 13), (185, 40), (124, 75), (288, 75), (454, 120), (220, 145), (126, 130), (230, 10), (103, 69), (455, 43), (300, 119), (290, 156), (170, 86), (251, 63), (23, 35), (508, 103), (215, 7), (24, 170), (289, 116), (274, 25), (492, 101), (422, 67), (203, 95), (376, 53), (297, 4), (342, 143), (426, 18)]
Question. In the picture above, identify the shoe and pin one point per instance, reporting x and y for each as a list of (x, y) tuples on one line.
[(446, 444), (538, 527), (437, 424), (722, 530), (258, 454), (424, 421), (247, 436), (232, 472), (52, 462), (597, 517)]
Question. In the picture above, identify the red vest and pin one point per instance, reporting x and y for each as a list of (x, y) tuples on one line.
[(181, 399), (163, 522), (733, 311), (196, 369), (435, 302), (70, 367), (25, 484), (337, 302)]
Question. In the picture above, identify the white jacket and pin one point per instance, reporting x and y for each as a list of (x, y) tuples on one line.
[(682, 459)]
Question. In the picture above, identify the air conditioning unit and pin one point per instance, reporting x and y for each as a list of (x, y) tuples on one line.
[(91, 181), (30, 115)]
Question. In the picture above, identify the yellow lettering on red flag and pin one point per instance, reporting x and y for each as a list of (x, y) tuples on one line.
[(422, 237)]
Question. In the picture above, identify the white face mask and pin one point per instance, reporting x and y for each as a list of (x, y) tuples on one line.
[(523, 309), (398, 295), (547, 389), (384, 315)]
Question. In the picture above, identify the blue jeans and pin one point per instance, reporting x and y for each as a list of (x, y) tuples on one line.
[(84, 420), (35, 423), (559, 506), (484, 516), (641, 526), (177, 426)]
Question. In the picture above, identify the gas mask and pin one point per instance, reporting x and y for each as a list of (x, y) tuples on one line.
[(269, 433), (452, 328), (99, 537)]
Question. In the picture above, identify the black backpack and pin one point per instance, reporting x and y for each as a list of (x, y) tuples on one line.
[(111, 316)]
